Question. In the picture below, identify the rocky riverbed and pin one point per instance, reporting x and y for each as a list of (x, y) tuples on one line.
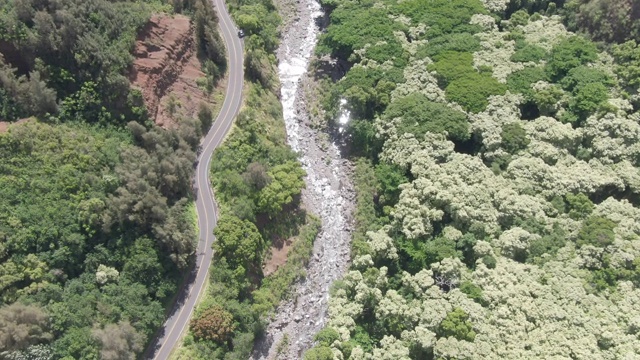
[(329, 192)]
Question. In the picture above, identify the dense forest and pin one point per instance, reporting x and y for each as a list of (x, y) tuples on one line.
[(497, 169), (97, 224), (258, 181)]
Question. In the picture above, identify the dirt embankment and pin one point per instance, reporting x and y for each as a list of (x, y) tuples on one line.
[(166, 69)]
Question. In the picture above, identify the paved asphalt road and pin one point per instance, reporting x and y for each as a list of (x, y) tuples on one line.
[(178, 321)]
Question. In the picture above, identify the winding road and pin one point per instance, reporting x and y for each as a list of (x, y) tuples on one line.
[(206, 207)]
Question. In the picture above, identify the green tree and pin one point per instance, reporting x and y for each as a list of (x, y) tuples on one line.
[(588, 99), (596, 231), (419, 115), (473, 291), (568, 54), (529, 53), (284, 189), (514, 137), (472, 91), (627, 56), (327, 336), (319, 353), (580, 206), (389, 178), (215, 324), (521, 81), (239, 242), (606, 21), (77, 343), (456, 42), (546, 99), (582, 75), (452, 65), (456, 324)]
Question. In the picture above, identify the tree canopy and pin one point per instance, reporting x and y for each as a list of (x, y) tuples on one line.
[(497, 196)]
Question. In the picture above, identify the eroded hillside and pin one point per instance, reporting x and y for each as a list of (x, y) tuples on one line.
[(167, 70)]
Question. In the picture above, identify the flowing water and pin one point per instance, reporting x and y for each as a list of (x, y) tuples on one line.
[(329, 194)]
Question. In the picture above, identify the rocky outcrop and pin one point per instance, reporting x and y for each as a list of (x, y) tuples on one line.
[(166, 69)]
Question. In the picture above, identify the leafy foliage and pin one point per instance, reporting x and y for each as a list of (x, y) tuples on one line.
[(442, 16), (514, 137), (238, 241), (285, 185), (94, 221), (596, 231), (419, 115), (568, 54), (529, 53), (455, 42), (538, 197), (213, 324), (97, 51), (627, 57), (257, 180), (319, 353), (472, 91), (521, 81), (604, 20), (457, 324)]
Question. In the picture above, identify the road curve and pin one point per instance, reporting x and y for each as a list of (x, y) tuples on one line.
[(206, 207)]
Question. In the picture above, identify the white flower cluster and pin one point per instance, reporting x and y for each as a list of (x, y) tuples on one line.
[(545, 32), (495, 5), (419, 80), (496, 53)]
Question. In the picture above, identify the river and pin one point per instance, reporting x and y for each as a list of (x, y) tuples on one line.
[(328, 194)]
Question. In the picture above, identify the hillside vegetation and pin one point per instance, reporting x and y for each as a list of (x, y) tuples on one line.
[(258, 182), (96, 222), (497, 166)]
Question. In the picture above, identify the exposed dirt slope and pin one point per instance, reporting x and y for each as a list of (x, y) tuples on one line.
[(166, 69)]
